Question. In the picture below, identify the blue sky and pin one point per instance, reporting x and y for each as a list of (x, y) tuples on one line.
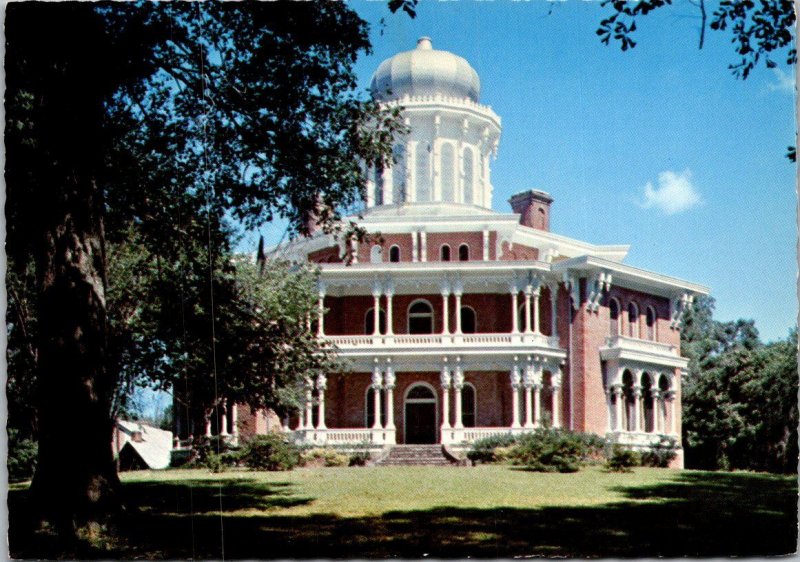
[(593, 126)]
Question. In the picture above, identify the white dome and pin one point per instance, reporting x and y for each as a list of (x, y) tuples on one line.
[(425, 71)]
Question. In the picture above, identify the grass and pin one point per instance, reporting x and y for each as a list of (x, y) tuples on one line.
[(411, 512)]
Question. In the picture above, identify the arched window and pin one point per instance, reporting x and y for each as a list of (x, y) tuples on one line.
[(445, 253), (633, 320), (463, 252), (379, 186), (420, 318), (376, 254), (468, 405), (394, 254), (369, 322), (399, 174), (369, 408), (447, 176), (423, 173), (613, 310), (468, 183), (628, 402), (469, 322), (651, 324)]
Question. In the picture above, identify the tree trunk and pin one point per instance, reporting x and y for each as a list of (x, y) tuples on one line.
[(76, 480)]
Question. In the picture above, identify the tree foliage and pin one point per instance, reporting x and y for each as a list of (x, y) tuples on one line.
[(739, 397)]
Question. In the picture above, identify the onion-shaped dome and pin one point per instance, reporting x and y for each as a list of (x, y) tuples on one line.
[(424, 71)]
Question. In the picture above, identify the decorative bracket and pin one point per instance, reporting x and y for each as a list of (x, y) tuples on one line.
[(572, 284), (601, 282), (678, 307)]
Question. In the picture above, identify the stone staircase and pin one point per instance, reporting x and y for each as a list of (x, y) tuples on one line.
[(422, 455)]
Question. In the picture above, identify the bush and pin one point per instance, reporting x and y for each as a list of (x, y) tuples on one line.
[(269, 452), (622, 459), (323, 457), (22, 455), (660, 454), (554, 450), (205, 447), (483, 450), (360, 458)]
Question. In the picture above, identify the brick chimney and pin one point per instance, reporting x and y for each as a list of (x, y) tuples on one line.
[(533, 207)]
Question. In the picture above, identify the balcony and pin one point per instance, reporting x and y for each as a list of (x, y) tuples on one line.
[(643, 351), (444, 342)]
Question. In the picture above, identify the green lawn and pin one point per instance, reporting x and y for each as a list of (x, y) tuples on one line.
[(411, 512)]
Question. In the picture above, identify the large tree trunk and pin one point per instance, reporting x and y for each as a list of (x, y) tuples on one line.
[(75, 480)]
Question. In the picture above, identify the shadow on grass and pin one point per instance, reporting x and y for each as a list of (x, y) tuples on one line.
[(694, 514)]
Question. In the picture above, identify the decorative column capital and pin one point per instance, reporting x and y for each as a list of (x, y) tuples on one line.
[(377, 289), (458, 287), (309, 383), (322, 382), (458, 377), (444, 287), (637, 391), (388, 288), (617, 390), (445, 377), (322, 288), (513, 288)]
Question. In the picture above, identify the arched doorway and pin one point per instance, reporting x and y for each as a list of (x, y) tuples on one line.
[(419, 414)]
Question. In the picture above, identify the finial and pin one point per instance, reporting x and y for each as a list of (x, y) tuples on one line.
[(424, 43)]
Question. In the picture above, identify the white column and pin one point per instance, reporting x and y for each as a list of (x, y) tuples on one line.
[(536, 294), (376, 311), (656, 410), (207, 421), (557, 405), (354, 250), (514, 312), (528, 384), (445, 311), (457, 294), (423, 246), (528, 292), (637, 407), (321, 314), (376, 386), (553, 310), (515, 383), (389, 311), (322, 384), (223, 422), (414, 246), (485, 244), (672, 413), (445, 380), (458, 384), (389, 381), (309, 423), (617, 390), (235, 420)]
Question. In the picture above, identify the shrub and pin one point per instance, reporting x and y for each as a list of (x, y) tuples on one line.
[(622, 459), (660, 454), (269, 452), (554, 450), (22, 455), (483, 450), (323, 457), (361, 458), (203, 448)]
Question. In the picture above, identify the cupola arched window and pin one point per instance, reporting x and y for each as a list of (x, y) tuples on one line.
[(447, 175), (633, 320), (394, 253), (420, 318), (399, 174), (651, 323), (422, 177), (463, 252), (445, 253), (468, 182), (613, 309), (469, 322)]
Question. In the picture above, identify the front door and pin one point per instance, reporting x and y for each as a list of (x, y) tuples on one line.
[(420, 416)]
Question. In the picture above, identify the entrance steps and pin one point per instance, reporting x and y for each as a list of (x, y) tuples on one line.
[(420, 455)]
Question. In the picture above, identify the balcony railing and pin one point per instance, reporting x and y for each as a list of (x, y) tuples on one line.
[(444, 340), (646, 346)]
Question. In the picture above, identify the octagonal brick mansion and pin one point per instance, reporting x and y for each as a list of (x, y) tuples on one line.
[(464, 322)]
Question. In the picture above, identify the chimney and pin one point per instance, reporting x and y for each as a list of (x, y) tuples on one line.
[(533, 207)]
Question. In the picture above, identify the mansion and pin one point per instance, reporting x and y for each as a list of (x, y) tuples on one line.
[(459, 321)]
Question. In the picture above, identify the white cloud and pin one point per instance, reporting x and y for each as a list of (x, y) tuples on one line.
[(784, 82), (675, 193)]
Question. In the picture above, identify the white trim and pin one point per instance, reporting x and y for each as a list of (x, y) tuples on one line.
[(434, 400)]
